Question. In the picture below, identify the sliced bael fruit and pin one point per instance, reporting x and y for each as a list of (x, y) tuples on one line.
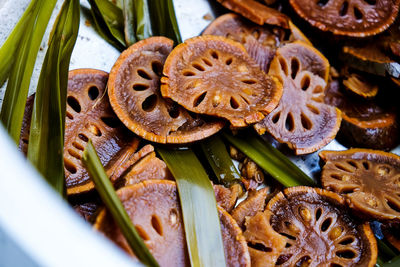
[(318, 230), (360, 85), (301, 120), (369, 179), (226, 197), (134, 91), (367, 123), (358, 18), (257, 12), (259, 41), (214, 75), (153, 206)]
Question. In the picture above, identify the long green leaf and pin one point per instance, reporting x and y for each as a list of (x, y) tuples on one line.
[(114, 205), (142, 19), (109, 21), (17, 89), (129, 22), (395, 262), (218, 157), (163, 19), (270, 160), (200, 214), (46, 139)]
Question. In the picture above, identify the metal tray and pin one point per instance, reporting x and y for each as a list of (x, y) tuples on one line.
[(37, 228)]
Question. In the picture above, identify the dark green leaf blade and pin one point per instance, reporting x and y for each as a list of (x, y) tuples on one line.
[(220, 161), (129, 22), (200, 214), (163, 19), (114, 205), (270, 160), (142, 19), (16, 93), (46, 145)]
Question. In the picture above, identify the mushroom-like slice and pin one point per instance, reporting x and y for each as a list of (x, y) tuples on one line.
[(259, 41), (154, 209), (317, 228), (301, 119), (89, 116), (369, 179), (366, 123), (360, 85), (134, 91), (358, 18), (257, 12), (214, 75)]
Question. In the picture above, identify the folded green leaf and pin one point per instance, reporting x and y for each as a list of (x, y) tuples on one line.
[(270, 160), (142, 19), (25, 55), (220, 161), (114, 205), (200, 214), (129, 22), (45, 150), (109, 21)]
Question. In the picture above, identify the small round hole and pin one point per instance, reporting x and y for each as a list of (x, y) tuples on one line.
[(289, 122), (143, 74), (157, 67), (344, 8), (140, 87), (69, 166), (295, 67), (198, 67), (111, 122), (188, 73), (197, 101), (229, 61), (74, 104), (305, 82), (325, 225), (83, 137), (234, 103), (347, 254), (93, 92), (207, 62), (149, 103), (214, 54)]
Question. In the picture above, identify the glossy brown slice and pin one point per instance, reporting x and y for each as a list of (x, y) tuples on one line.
[(318, 230), (256, 12), (369, 179), (215, 76), (134, 91), (366, 123), (358, 18), (154, 209), (89, 116), (226, 197), (301, 120), (360, 85)]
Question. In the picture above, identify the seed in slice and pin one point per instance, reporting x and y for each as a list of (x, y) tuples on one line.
[(358, 18), (369, 179), (256, 12), (134, 91), (360, 85), (214, 75), (317, 228), (366, 123), (259, 41), (154, 209), (301, 120)]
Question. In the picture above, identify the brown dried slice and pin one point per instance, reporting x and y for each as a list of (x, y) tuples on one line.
[(319, 230), (226, 197), (88, 211), (358, 18), (369, 179), (366, 123), (89, 116), (301, 120), (360, 85), (153, 206), (214, 75), (134, 91), (26, 125), (256, 12)]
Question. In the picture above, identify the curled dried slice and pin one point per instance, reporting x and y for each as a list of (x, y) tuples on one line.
[(257, 12), (153, 206), (134, 91), (214, 75), (301, 120), (358, 18), (360, 85), (318, 230), (366, 123), (226, 197), (369, 179)]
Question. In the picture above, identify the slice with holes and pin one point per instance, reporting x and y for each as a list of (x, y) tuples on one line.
[(301, 120), (214, 75), (259, 41), (134, 91), (257, 12), (318, 229), (369, 179), (357, 18), (153, 206), (366, 123)]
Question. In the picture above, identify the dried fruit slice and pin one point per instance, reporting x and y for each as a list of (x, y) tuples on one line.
[(26, 125), (256, 12), (134, 91), (369, 179), (365, 123), (360, 85), (214, 75), (226, 197), (358, 18), (301, 120), (317, 228), (154, 209)]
